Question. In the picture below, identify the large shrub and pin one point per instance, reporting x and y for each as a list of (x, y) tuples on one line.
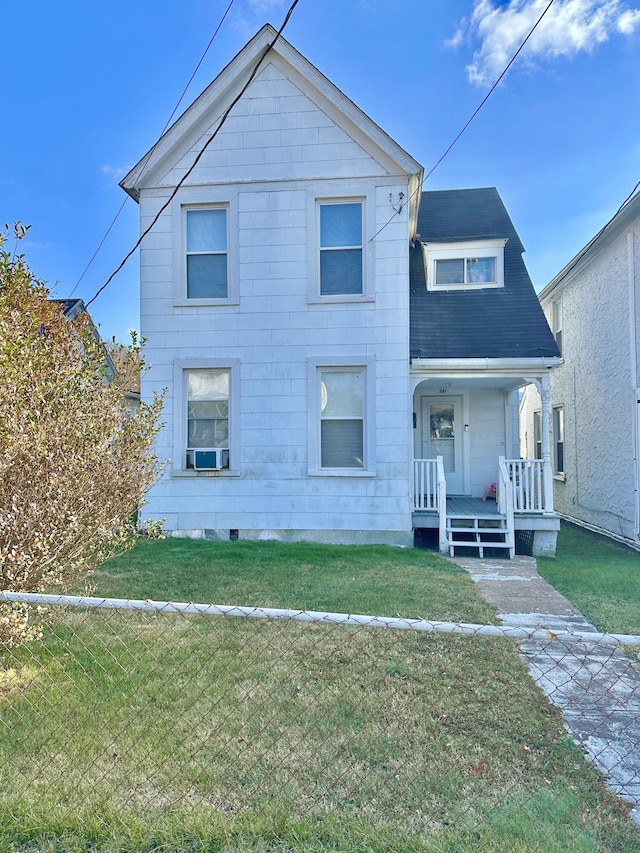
[(75, 463)]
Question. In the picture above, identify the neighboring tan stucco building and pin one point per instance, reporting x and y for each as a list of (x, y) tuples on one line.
[(593, 308)]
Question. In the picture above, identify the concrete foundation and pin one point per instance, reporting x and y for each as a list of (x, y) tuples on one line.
[(544, 543), (396, 538)]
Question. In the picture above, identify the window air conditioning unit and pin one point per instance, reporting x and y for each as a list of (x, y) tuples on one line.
[(211, 460)]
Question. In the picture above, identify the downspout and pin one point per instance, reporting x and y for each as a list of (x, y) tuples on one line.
[(633, 358)]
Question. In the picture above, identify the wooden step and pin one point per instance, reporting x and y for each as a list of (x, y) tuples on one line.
[(478, 532)]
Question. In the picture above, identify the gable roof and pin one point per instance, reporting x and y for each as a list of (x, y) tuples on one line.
[(72, 308), (200, 121), (501, 322)]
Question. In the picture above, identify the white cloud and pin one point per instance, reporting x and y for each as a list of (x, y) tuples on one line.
[(628, 21), (115, 172), (568, 28), (262, 7)]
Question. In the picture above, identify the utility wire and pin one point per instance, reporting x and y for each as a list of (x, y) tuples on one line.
[(473, 115), (565, 272), (200, 153), (150, 152)]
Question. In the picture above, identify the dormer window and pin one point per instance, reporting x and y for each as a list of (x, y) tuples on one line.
[(465, 266)]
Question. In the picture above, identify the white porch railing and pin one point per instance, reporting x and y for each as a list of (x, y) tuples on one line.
[(526, 476), (506, 503), (425, 484)]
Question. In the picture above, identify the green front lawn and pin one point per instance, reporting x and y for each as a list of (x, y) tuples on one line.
[(372, 580), (132, 733), (599, 576)]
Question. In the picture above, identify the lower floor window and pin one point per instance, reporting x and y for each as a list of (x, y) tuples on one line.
[(537, 435), (207, 418), (558, 440), (342, 418)]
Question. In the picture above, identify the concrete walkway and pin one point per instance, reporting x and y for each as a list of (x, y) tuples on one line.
[(596, 687)]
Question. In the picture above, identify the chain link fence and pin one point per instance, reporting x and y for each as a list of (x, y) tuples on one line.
[(140, 726)]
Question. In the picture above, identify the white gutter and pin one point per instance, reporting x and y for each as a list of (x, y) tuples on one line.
[(468, 366)]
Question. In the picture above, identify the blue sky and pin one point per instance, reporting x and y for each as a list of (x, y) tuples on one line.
[(88, 87)]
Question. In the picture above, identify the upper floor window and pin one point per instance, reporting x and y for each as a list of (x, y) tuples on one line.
[(206, 253), (465, 266), (556, 322), (341, 248)]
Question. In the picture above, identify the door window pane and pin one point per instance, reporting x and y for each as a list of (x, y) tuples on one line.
[(442, 433)]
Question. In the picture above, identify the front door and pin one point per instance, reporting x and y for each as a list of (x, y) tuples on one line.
[(441, 436)]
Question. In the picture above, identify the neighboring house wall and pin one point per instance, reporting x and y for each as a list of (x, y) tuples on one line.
[(595, 384), (276, 156)]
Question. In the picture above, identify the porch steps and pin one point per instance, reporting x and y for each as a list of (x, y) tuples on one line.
[(479, 532)]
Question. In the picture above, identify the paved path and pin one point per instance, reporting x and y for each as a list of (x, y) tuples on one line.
[(596, 687)]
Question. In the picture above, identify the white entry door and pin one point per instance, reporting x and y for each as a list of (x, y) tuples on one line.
[(442, 436)]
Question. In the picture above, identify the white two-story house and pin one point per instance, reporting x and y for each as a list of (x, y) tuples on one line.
[(300, 301)]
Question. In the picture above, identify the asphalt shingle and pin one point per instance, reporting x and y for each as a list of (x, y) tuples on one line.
[(505, 322)]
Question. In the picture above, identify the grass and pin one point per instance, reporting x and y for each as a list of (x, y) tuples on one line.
[(129, 732), (374, 580), (600, 577)]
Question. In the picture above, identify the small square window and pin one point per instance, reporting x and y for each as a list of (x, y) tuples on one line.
[(206, 253), (341, 248)]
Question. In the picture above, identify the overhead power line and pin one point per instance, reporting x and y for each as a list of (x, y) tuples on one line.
[(167, 123), (200, 153), (565, 272), (473, 115)]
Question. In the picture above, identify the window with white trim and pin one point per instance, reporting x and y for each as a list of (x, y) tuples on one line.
[(207, 418), (558, 440), (537, 435), (556, 322), (342, 407), (341, 241), (342, 417), (465, 266), (206, 242)]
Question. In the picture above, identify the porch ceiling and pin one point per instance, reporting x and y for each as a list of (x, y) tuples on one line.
[(455, 383)]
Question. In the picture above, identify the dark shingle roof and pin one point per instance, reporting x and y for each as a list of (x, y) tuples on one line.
[(505, 322)]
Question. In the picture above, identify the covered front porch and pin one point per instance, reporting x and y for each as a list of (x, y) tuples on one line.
[(469, 481)]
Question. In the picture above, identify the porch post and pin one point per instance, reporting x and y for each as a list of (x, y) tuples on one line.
[(547, 469)]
